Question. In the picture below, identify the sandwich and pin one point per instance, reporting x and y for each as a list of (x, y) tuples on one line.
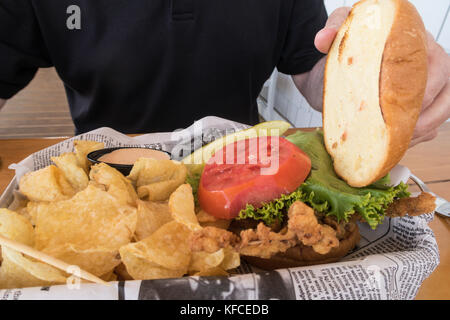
[(297, 200), (304, 214)]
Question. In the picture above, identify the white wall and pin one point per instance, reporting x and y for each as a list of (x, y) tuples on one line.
[(281, 99)]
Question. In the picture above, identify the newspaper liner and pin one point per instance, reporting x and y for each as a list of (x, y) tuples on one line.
[(389, 263)]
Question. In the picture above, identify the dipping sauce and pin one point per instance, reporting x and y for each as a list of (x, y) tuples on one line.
[(128, 156)]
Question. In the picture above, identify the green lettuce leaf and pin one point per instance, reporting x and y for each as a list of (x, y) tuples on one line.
[(327, 193), (193, 178), (277, 209), (272, 211)]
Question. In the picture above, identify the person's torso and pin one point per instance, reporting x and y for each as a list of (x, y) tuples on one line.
[(158, 65)]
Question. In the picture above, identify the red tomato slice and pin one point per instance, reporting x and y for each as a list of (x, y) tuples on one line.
[(251, 171)]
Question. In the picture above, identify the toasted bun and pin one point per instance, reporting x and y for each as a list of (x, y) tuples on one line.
[(374, 85), (305, 256)]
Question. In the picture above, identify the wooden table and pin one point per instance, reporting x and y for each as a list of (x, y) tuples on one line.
[(429, 161)]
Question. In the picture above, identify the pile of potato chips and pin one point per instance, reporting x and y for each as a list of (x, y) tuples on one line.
[(115, 227)]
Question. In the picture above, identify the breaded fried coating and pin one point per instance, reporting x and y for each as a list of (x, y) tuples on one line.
[(339, 227), (327, 242), (211, 239), (264, 243), (415, 206), (303, 222), (303, 228)]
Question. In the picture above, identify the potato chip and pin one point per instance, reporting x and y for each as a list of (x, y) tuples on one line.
[(168, 247), (114, 182), (203, 216), (110, 276), (231, 260), (32, 211), (18, 271), (48, 184), (65, 185), (16, 227), (82, 149), (139, 267), (26, 214), (202, 261), (122, 273), (147, 171), (157, 179), (216, 271), (98, 260), (151, 216), (207, 220), (76, 175), (19, 205), (158, 191), (86, 230), (182, 208)]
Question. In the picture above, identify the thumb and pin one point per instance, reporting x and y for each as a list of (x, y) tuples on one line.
[(325, 37)]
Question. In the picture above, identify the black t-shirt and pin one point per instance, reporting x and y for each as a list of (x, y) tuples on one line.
[(157, 65)]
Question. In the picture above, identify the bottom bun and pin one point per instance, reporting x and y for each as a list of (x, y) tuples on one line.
[(305, 255)]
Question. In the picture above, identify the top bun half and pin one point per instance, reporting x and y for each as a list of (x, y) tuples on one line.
[(375, 80)]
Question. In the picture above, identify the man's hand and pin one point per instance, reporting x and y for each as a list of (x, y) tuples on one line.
[(325, 37), (436, 104)]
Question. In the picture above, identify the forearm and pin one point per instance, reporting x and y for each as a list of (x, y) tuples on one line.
[(2, 103), (310, 84)]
